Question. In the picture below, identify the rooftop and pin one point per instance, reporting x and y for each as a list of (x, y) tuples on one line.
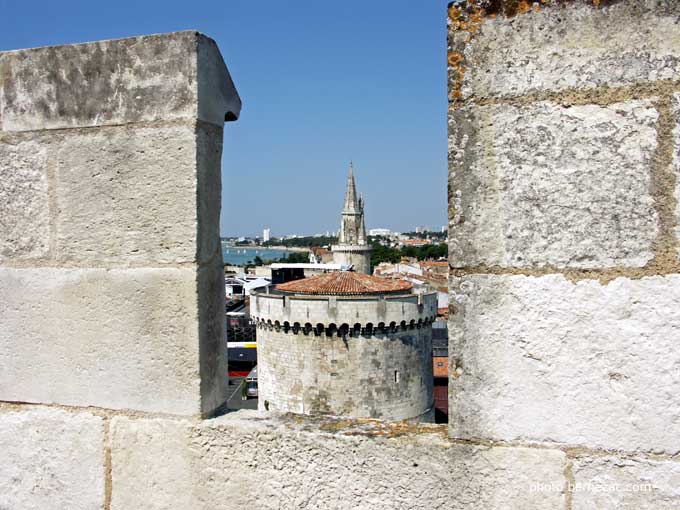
[(345, 283)]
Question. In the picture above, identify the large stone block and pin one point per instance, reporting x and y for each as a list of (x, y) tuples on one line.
[(236, 462), (623, 483), (24, 202), (212, 350), (51, 459), (131, 195), (209, 191), (545, 359), (676, 166), (560, 48), (141, 79), (117, 338), (546, 184)]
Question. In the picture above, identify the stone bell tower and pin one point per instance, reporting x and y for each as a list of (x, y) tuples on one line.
[(352, 247)]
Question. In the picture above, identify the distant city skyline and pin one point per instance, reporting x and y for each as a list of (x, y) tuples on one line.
[(266, 233)]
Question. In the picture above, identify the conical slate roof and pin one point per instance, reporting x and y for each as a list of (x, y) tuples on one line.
[(344, 283)]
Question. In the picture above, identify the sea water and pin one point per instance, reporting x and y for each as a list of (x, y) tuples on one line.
[(241, 255)]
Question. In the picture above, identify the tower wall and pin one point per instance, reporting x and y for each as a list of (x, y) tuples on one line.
[(357, 256), (381, 369), (385, 376)]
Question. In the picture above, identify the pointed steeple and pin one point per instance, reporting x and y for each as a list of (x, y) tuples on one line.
[(352, 248), (350, 193)]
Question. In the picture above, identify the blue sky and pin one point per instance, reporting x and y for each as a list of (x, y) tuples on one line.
[(321, 82)]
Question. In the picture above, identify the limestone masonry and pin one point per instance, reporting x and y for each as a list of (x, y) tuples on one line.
[(330, 348), (565, 286), (110, 267), (564, 163)]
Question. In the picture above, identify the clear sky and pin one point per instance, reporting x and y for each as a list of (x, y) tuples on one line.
[(321, 82)]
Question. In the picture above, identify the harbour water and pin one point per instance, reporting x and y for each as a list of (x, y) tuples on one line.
[(240, 255)]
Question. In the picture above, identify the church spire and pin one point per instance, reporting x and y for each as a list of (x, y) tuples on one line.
[(352, 248), (351, 192)]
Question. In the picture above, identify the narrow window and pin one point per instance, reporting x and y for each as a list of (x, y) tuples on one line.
[(396, 376)]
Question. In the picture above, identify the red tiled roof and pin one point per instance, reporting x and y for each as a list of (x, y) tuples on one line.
[(344, 283)]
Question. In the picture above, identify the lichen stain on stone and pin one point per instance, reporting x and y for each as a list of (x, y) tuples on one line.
[(465, 14), (378, 428), (455, 61)]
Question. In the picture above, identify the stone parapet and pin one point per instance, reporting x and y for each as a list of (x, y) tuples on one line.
[(165, 77), (563, 238), (281, 310), (111, 282)]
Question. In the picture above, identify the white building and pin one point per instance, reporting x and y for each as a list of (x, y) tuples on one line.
[(266, 235), (380, 232)]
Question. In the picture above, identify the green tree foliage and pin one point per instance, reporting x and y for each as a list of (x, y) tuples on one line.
[(295, 257), (383, 253), (303, 242)]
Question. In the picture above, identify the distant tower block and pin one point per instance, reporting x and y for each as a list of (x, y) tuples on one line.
[(352, 248), (266, 235), (346, 344)]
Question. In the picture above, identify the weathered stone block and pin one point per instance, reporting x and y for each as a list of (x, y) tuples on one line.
[(583, 47), (209, 191), (130, 195), (51, 459), (611, 482), (24, 202), (212, 350), (169, 478), (139, 79), (117, 338), (676, 166), (546, 184), (545, 359), (278, 463)]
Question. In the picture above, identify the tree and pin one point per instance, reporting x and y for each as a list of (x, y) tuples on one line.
[(295, 258)]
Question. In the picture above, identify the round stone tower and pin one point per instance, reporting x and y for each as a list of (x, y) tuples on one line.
[(347, 344)]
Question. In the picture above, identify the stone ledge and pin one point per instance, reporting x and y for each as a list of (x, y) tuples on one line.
[(240, 460), (179, 75), (614, 482)]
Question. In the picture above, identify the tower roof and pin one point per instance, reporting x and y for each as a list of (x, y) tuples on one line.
[(344, 283), (350, 192)]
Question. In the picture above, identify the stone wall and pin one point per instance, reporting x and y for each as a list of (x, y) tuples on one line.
[(110, 261), (564, 317), (385, 375), (359, 257), (563, 210), (359, 356), (302, 309)]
